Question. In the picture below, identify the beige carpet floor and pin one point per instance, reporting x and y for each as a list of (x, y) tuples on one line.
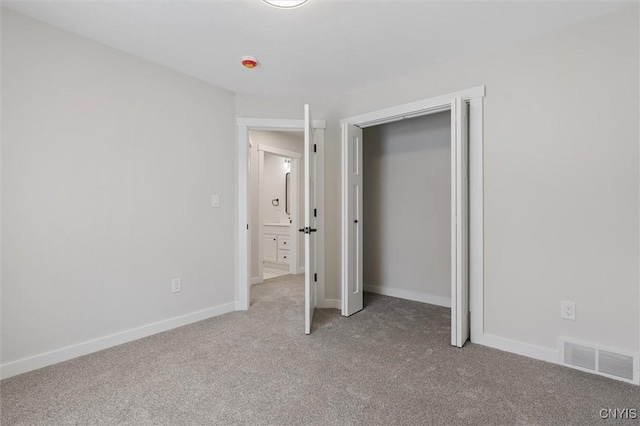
[(390, 364)]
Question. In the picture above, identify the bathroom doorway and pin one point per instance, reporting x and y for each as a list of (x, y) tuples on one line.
[(276, 192)]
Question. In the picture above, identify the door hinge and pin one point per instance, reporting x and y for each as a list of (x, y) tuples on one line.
[(315, 147), (315, 277), (315, 212), (247, 226)]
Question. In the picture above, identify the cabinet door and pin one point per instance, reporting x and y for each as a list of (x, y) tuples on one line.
[(283, 256), (284, 242), (270, 248)]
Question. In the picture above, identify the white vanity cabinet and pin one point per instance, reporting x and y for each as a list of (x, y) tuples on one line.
[(270, 247), (276, 245)]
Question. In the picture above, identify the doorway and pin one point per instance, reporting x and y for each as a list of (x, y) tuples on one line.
[(313, 226), (276, 191), (466, 235)]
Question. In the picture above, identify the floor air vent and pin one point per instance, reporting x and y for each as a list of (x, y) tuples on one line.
[(580, 356), (615, 364), (599, 361)]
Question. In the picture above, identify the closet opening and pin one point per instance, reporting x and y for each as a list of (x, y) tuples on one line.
[(406, 210), (396, 200)]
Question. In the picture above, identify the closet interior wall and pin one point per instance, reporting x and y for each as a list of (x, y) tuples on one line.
[(407, 208)]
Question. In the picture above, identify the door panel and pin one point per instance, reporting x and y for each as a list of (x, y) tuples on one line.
[(459, 223), (309, 221), (352, 285)]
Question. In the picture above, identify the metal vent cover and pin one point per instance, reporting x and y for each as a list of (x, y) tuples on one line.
[(604, 362), (615, 364), (580, 356)]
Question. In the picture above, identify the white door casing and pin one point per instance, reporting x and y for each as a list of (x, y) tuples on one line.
[(352, 261), (243, 240), (468, 260), (309, 221), (459, 223)]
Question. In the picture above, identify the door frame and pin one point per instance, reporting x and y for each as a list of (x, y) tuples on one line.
[(294, 266), (243, 218), (475, 99)]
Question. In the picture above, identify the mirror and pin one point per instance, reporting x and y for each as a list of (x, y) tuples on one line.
[(287, 193)]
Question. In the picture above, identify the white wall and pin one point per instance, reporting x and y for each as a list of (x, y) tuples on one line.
[(290, 141), (407, 208), (561, 177), (109, 163), (108, 169), (272, 187)]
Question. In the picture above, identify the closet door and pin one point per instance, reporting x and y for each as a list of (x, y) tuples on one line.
[(459, 223), (352, 287)]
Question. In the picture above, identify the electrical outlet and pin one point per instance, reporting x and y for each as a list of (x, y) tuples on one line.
[(176, 285), (568, 310)]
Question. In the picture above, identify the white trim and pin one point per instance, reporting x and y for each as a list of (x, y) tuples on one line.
[(279, 151), (476, 172), (320, 222), (476, 217), (409, 295), (63, 354), (329, 304), (243, 236), (243, 219), (256, 280), (277, 124), (525, 349), (296, 215), (413, 109), (253, 209)]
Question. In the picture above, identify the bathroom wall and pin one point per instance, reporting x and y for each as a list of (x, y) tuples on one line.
[(272, 187)]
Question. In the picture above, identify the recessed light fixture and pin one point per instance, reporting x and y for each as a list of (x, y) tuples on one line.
[(285, 4)]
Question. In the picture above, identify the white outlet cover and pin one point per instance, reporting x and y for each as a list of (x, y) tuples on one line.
[(176, 285), (215, 200), (568, 310)]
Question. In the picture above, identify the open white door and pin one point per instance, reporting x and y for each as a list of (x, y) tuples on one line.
[(352, 287), (309, 221), (459, 223)]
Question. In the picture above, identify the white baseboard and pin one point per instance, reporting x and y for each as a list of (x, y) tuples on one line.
[(526, 349), (409, 295), (329, 303), (256, 280), (64, 354), (301, 270)]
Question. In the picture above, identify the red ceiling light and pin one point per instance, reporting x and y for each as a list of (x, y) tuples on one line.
[(249, 62)]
